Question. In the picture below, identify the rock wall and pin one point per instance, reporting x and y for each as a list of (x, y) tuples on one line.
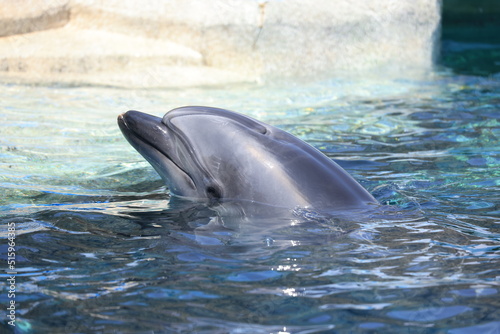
[(177, 43)]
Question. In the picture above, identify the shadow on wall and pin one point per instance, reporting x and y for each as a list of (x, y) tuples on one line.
[(470, 36)]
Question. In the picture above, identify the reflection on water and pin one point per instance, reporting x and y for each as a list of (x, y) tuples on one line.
[(101, 247)]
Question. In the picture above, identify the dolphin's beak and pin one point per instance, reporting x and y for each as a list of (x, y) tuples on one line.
[(147, 127), (146, 133), (151, 138)]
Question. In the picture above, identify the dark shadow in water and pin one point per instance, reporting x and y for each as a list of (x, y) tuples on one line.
[(185, 267)]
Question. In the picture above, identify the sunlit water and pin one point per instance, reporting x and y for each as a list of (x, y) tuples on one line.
[(101, 247)]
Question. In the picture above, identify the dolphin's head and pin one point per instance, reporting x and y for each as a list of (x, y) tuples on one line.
[(215, 154)]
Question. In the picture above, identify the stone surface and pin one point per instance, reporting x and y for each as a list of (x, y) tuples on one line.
[(24, 16), (195, 42)]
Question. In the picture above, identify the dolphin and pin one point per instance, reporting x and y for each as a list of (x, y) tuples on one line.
[(216, 155)]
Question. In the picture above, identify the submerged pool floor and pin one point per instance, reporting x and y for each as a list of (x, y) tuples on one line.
[(101, 247)]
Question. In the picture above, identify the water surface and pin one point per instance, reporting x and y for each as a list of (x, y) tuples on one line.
[(101, 247)]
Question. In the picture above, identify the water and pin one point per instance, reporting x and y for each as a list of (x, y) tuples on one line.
[(101, 247)]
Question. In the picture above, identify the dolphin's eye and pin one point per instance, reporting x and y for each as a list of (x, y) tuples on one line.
[(213, 192)]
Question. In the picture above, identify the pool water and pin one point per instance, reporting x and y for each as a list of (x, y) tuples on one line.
[(102, 247)]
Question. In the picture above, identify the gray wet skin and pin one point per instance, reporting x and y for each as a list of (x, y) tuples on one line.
[(212, 154)]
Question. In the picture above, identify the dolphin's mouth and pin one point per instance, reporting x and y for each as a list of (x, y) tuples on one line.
[(152, 139)]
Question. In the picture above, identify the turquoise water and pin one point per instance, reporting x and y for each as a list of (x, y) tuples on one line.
[(101, 247)]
